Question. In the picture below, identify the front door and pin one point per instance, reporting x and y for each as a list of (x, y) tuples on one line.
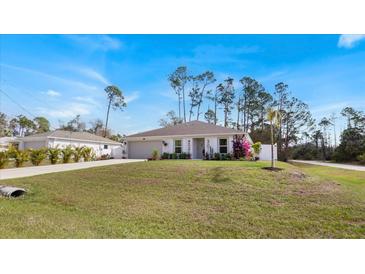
[(198, 152)]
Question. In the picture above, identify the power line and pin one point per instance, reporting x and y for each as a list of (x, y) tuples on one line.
[(19, 105), (15, 102)]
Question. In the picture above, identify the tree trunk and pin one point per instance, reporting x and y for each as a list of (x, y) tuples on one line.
[(184, 105), (244, 113), (334, 134), (198, 112), (262, 120), (238, 114), (225, 118), (272, 146), (179, 107), (215, 109), (323, 149), (190, 112), (107, 118)]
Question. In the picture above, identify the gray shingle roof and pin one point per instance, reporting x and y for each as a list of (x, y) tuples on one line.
[(63, 134), (190, 128)]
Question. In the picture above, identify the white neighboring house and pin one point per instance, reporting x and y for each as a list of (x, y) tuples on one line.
[(62, 138), (195, 138), (6, 141)]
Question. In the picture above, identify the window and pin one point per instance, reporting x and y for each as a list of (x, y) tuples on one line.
[(105, 146), (223, 148), (178, 146)]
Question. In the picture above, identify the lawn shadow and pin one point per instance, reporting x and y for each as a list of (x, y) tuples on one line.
[(219, 177), (272, 168)]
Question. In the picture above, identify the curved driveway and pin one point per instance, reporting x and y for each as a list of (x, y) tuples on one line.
[(37, 170), (344, 166)]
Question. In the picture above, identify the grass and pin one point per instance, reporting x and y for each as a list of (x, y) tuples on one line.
[(188, 199)]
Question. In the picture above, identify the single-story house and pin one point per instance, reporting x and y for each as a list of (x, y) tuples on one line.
[(195, 138), (62, 138), (5, 142)]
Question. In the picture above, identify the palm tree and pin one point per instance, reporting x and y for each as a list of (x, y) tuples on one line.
[(116, 101), (274, 118)]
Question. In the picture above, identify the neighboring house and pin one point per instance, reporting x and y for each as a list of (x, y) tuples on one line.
[(5, 142), (62, 138), (194, 137)]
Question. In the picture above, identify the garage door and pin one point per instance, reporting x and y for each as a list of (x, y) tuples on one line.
[(143, 150)]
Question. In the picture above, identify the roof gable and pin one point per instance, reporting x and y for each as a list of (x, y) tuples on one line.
[(190, 128)]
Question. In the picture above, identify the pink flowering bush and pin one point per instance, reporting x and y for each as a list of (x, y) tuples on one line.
[(241, 147), (247, 148)]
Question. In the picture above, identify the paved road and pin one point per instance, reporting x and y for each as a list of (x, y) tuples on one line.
[(37, 170), (344, 166)]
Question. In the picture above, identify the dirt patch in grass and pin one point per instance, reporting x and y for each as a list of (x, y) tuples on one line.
[(275, 169), (219, 175), (298, 175)]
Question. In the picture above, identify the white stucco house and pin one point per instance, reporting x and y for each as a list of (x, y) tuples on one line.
[(5, 142), (62, 138), (194, 137)]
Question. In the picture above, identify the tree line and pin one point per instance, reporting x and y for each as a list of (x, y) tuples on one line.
[(248, 99), (321, 141), (21, 125)]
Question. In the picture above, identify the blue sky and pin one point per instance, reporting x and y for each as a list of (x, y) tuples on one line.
[(60, 76)]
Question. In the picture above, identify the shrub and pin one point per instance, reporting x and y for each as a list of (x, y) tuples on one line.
[(12, 151), (54, 155), (165, 155), (155, 154), (305, 152), (38, 155), (257, 148), (361, 158), (188, 156), (352, 145), (77, 153), (209, 156), (241, 147), (88, 154), (67, 153), (229, 156), (173, 156), (217, 156), (21, 157), (4, 159), (183, 155)]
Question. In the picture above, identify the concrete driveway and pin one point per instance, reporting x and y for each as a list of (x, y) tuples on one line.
[(37, 170), (344, 166)]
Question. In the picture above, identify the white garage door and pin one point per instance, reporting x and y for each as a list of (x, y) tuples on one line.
[(143, 150)]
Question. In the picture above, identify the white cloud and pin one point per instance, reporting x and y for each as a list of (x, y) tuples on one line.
[(67, 111), (88, 72), (96, 42), (350, 40), (86, 99), (132, 97), (53, 93), (53, 77)]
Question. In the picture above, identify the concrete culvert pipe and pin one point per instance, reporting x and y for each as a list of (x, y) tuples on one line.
[(10, 191)]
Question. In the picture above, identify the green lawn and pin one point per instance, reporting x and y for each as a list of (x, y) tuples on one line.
[(188, 199)]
